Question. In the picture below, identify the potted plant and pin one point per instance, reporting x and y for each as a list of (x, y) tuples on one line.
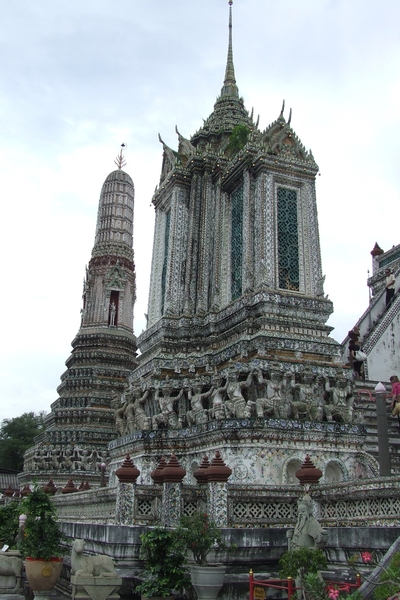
[(164, 558), (200, 536), (40, 542)]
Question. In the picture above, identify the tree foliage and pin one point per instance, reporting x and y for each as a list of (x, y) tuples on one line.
[(238, 139), (164, 557), (16, 436), (389, 581), (9, 524), (301, 562), (200, 535)]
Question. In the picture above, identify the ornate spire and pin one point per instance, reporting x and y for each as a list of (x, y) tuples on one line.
[(229, 109), (230, 88), (120, 160)]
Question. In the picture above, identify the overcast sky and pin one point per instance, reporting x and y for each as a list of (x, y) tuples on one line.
[(79, 78)]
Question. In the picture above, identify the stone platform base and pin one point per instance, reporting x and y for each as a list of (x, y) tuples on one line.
[(85, 587)]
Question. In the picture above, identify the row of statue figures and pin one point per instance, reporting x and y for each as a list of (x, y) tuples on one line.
[(255, 394), (49, 457)]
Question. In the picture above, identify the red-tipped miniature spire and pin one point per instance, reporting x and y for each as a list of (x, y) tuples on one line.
[(173, 472), (156, 475), (218, 471), (200, 474), (308, 473), (127, 473)]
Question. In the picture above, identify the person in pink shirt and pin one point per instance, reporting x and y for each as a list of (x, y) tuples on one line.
[(394, 380)]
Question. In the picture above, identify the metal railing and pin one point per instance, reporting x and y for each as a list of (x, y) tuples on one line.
[(257, 591)]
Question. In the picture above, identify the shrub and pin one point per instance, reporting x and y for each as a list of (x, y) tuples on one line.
[(389, 581), (237, 139), (42, 534), (9, 524), (164, 558), (298, 563), (200, 535)]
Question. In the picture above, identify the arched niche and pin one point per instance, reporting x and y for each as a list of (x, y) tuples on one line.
[(289, 474), (333, 473)]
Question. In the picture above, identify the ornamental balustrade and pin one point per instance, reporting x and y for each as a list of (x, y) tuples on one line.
[(375, 502), (372, 502), (91, 506)]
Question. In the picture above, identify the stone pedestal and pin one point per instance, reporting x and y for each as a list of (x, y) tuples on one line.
[(85, 587), (10, 572)]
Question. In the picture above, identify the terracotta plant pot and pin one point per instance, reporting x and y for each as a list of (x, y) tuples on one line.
[(42, 575)]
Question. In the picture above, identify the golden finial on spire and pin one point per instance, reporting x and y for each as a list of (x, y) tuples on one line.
[(120, 160)]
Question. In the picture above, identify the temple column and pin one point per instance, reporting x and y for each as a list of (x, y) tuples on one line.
[(217, 475), (127, 475), (172, 475)]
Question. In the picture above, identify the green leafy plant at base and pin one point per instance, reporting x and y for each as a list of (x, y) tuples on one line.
[(9, 524), (315, 588), (164, 557), (42, 535), (298, 563), (388, 585), (354, 596), (200, 535), (389, 581)]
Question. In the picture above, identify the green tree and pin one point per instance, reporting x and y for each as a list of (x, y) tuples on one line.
[(16, 436)]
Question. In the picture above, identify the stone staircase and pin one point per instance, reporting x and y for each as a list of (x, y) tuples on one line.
[(366, 407)]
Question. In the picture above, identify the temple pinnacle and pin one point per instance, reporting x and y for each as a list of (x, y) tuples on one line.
[(230, 87), (120, 160)]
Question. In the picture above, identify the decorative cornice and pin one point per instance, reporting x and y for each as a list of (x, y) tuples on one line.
[(240, 429)]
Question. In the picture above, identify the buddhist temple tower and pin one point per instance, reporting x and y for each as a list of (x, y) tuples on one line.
[(237, 356), (82, 422), (236, 266)]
